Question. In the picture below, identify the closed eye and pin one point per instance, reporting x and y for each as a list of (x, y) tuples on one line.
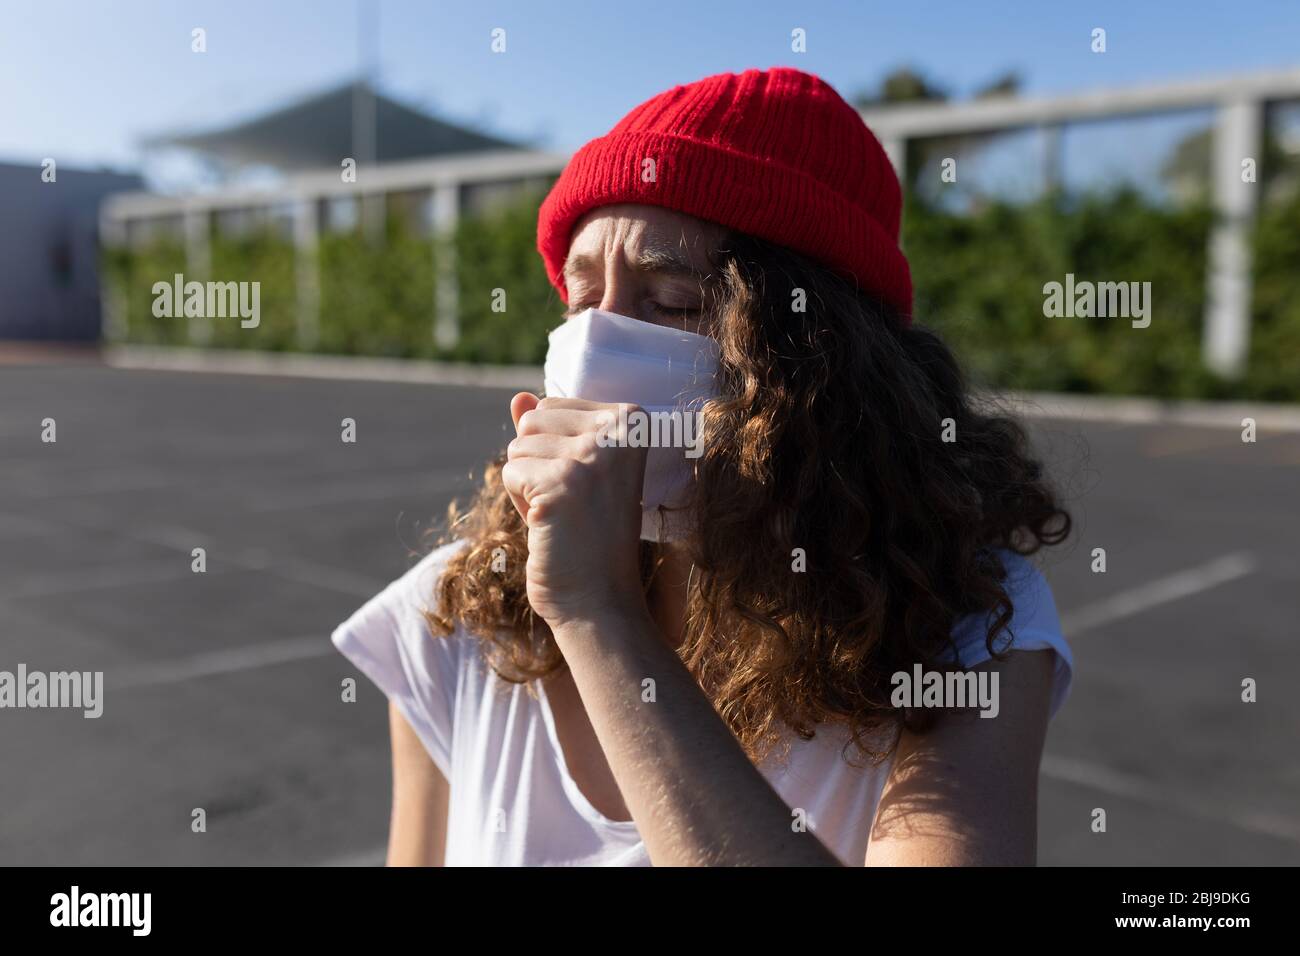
[(675, 309)]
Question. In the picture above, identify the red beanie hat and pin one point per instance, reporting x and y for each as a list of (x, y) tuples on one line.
[(775, 154)]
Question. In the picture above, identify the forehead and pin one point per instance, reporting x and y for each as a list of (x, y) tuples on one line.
[(637, 231)]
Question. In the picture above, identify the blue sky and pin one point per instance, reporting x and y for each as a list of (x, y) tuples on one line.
[(83, 79)]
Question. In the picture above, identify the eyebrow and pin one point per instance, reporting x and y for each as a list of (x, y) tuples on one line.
[(662, 261)]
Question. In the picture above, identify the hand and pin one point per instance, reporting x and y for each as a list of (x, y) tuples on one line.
[(582, 505)]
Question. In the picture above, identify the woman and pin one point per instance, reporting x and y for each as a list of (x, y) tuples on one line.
[(704, 654)]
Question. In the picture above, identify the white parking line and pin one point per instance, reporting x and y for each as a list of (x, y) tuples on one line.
[(375, 857), (1160, 591), (1129, 787), (81, 486), (184, 540), (227, 661), (415, 483), (89, 579), (318, 576)]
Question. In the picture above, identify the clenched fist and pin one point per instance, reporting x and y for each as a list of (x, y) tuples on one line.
[(581, 500)]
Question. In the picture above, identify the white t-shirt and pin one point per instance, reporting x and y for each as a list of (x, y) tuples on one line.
[(513, 802)]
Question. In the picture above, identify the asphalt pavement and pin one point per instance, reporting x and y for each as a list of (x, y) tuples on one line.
[(222, 690)]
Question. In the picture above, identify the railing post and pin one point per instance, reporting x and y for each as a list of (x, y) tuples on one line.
[(446, 306), (896, 149), (1226, 336), (198, 267), (306, 273)]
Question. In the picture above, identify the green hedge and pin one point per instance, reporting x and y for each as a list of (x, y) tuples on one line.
[(133, 273), (1274, 368), (270, 261), (377, 298), (979, 278), (500, 252)]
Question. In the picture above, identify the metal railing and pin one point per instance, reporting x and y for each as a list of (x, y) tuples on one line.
[(1238, 102)]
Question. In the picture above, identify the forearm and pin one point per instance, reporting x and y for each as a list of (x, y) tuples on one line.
[(417, 833), (695, 796)]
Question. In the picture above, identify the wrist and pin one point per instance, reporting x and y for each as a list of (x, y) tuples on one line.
[(604, 622)]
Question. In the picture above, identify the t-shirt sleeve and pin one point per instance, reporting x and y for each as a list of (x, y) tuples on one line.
[(389, 640), (1035, 625)]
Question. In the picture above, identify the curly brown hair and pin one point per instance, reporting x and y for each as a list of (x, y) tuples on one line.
[(827, 436)]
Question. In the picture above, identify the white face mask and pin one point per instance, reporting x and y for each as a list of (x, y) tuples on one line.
[(604, 357)]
